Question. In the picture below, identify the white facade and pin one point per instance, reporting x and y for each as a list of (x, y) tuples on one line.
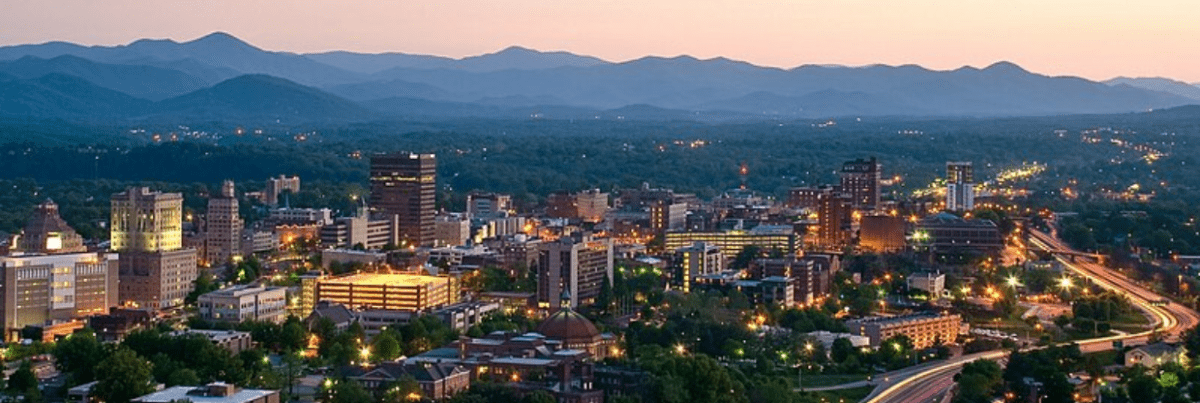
[(933, 283), (960, 186), (960, 196), (241, 303), (321, 216), (826, 339)]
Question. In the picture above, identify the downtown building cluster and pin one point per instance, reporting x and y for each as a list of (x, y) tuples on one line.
[(410, 258)]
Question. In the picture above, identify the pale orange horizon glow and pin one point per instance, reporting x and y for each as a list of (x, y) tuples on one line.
[(1096, 39)]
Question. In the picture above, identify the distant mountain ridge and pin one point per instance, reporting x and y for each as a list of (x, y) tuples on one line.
[(219, 76), (511, 58), (1160, 84), (252, 97), (149, 82)]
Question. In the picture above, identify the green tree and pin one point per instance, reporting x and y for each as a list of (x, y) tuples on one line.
[(605, 300), (978, 382), (293, 337), (183, 376), (205, 283), (126, 376), (385, 347), (23, 381), (693, 378), (346, 391), (79, 354), (538, 396), (842, 349)]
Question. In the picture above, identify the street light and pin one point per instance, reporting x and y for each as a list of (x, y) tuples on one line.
[(1065, 283), (1013, 281)]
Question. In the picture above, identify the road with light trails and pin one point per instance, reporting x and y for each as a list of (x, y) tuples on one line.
[(887, 378), (1172, 320)]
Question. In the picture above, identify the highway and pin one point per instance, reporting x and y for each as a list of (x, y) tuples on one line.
[(931, 384)]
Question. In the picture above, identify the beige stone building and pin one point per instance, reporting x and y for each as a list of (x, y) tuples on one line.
[(275, 186), (223, 232), (925, 329), (156, 272), (244, 302), (396, 291), (579, 264), (43, 290)]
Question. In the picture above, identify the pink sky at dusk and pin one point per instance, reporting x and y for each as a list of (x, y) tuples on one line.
[(1096, 39)]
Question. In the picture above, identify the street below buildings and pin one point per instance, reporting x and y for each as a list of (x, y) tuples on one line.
[(1169, 321)]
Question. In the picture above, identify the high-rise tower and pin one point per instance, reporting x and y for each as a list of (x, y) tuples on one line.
[(404, 185), (223, 234), (960, 186), (147, 230), (860, 179)]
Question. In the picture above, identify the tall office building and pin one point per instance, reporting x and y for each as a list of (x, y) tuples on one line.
[(404, 185), (147, 229), (666, 216), (45, 290), (145, 221), (960, 186), (275, 186), (833, 219), (698, 260), (47, 233), (806, 197), (579, 264), (223, 239), (860, 179)]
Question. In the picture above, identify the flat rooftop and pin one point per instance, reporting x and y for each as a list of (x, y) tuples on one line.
[(180, 394), (392, 279)]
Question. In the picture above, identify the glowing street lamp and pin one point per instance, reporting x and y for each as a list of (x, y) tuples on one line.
[(1013, 282), (366, 353), (1065, 283)]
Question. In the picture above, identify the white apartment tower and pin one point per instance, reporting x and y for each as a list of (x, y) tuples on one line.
[(960, 186)]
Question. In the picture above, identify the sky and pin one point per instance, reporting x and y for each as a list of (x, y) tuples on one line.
[(1095, 39)]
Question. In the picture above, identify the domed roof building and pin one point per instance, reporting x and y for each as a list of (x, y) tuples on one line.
[(46, 232), (575, 331)]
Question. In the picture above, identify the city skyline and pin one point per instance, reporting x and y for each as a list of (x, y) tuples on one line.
[(1064, 38)]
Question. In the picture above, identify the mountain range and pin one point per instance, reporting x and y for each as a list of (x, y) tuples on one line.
[(220, 77)]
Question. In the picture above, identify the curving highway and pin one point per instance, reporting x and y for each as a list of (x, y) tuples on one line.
[(1171, 321)]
